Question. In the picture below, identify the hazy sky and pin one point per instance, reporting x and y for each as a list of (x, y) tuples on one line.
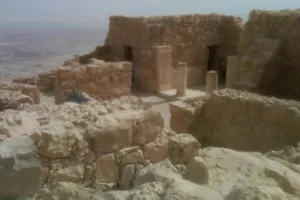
[(95, 11)]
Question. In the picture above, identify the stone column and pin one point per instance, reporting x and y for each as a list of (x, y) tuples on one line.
[(163, 66), (211, 81), (181, 78)]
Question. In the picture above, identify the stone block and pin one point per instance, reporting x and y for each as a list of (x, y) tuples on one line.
[(182, 148), (148, 127), (107, 170), (20, 168)]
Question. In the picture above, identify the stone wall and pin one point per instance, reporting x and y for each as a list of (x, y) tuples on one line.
[(98, 79), (99, 144), (239, 120), (190, 35), (187, 35), (268, 58)]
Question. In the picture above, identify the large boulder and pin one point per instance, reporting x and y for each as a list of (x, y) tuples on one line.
[(19, 167)]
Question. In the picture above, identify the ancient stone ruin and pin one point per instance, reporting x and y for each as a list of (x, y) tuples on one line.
[(179, 107)]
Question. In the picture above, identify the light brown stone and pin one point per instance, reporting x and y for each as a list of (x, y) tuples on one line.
[(183, 147), (158, 149), (107, 170)]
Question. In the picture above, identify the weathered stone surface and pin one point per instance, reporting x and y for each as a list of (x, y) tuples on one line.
[(229, 169), (128, 176), (43, 81), (148, 191), (56, 142), (109, 138), (148, 127), (248, 121), (183, 114), (159, 149), (13, 99), (182, 189), (183, 147), (65, 191), (68, 172), (161, 171), (130, 155), (19, 167), (29, 90), (259, 193), (107, 170), (98, 79), (197, 171), (269, 57)]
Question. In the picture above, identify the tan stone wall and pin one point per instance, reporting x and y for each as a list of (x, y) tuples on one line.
[(269, 54), (188, 35), (98, 79), (99, 144), (239, 120)]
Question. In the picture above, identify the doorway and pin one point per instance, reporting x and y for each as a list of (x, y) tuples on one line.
[(128, 56), (217, 62)]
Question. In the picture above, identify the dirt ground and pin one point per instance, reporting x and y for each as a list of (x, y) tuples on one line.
[(159, 102)]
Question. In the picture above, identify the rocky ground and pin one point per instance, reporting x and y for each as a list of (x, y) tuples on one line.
[(121, 149)]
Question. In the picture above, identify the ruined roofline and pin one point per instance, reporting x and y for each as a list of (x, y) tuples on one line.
[(286, 12), (170, 16)]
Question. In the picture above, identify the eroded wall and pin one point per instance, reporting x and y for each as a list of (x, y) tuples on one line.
[(239, 120), (269, 54), (100, 80)]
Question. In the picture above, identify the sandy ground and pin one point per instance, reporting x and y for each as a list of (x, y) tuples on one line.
[(159, 102)]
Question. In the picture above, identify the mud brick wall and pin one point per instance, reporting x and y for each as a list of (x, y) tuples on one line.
[(100, 80), (239, 120)]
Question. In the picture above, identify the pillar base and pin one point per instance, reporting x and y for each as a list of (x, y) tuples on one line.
[(211, 82)]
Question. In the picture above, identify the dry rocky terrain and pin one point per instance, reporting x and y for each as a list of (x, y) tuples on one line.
[(224, 145), (120, 149)]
